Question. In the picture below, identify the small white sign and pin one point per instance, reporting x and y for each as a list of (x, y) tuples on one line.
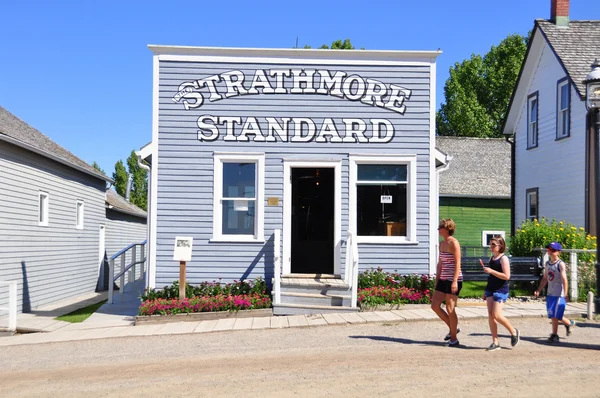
[(240, 205), (183, 248), (386, 198)]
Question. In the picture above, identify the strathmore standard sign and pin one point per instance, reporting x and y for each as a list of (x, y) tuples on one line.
[(293, 129), (315, 144)]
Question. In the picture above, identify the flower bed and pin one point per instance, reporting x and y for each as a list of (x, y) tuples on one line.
[(207, 297), (376, 287), (204, 304)]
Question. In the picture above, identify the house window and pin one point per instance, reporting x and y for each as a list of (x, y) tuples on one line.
[(43, 208), (79, 215), (486, 237), (383, 197), (532, 120), (238, 206), (563, 108), (532, 203)]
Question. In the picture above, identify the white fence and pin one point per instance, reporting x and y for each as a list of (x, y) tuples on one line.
[(12, 305)]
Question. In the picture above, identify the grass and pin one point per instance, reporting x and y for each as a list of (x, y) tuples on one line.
[(471, 289), (81, 314)]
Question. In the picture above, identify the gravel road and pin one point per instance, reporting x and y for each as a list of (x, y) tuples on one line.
[(395, 359)]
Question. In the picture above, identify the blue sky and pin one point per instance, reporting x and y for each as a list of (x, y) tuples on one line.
[(81, 72)]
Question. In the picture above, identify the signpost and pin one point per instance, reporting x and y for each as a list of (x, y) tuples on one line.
[(182, 253)]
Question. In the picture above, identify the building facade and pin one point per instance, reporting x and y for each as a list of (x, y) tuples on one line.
[(315, 143)]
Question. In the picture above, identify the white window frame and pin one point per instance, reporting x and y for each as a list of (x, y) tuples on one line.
[(79, 214), (528, 195), (562, 113), (533, 125), (484, 235), (411, 201), (231, 157), (43, 208)]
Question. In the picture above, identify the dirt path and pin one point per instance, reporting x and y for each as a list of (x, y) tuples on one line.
[(361, 360)]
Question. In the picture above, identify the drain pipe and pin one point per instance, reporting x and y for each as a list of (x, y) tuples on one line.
[(149, 226), (512, 182)]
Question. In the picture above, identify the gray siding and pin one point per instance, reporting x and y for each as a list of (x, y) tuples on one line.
[(185, 171), (121, 231), (53, 262)]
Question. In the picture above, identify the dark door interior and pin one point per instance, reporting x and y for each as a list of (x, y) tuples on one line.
[(313, 205)]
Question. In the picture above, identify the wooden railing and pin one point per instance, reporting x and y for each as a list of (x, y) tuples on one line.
[(12, 305), (351, 267), (131, 267)]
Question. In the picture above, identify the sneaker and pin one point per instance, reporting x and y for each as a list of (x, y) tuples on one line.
[(568, 327), (448, 337), (514, 340), (493, 347), (553, 339), (455, 343)]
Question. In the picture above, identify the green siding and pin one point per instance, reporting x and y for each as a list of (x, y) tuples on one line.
[(472, 216)]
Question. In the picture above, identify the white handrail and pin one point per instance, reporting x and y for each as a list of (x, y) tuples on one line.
[(12, 305), (277, 267), (124, 268), (351, 268)]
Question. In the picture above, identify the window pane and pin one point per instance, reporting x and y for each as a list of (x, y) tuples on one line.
[(239, 180), (564, 96), (534, 110), (532, 206), (376, 172), (381, 219), (42, 197), (238, 217)]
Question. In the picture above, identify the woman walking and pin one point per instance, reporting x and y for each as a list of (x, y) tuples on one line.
[(448, 280), (496, 292)]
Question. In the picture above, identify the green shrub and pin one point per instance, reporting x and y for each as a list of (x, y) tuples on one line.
[(377, 277), (534, 235), (210, 289)]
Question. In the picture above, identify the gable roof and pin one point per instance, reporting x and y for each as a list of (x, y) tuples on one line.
[(480, 167), (118, 203), (575, 46), (17, 132)]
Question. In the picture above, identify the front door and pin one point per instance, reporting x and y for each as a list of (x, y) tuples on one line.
[(313, 220)]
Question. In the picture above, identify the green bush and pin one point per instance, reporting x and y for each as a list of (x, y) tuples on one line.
[(377, 277), (210, 289), (534, 235)]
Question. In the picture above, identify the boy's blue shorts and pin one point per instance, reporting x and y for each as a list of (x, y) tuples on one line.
[(555, 306)]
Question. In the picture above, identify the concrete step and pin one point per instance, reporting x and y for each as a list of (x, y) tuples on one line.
[(320, 299), (299, 309)]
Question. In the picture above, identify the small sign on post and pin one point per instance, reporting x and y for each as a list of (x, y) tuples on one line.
[(182, 253)]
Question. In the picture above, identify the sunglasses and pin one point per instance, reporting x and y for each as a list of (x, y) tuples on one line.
[(551, 249), (494, 244)]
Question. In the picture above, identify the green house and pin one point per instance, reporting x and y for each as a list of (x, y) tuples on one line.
[(474, 189)]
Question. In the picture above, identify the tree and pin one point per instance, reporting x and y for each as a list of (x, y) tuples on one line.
[(97, 167), (478, 91), (139, 188), (120, 177), (337, 45)]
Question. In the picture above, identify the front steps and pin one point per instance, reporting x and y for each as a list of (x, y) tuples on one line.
[(313, 294)]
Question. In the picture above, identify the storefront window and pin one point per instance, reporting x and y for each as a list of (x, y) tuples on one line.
[(238, 209), (381, 200)]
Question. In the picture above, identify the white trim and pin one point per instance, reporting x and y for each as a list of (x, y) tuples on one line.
[(434, 189), (287, 209), (101, 249), (259, 218), (411, 186), (560, 113), (43, 208), (484, 235), (79, 218), (153, 216)]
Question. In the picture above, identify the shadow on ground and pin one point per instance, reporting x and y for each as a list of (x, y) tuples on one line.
[(419, 342)]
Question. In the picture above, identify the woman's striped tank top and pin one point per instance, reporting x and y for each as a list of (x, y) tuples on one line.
[(448, 267)]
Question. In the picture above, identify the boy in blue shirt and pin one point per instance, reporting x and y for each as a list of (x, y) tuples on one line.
[(555, 275)]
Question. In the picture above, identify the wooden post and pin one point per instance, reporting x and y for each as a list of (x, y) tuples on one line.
[(182, 282)]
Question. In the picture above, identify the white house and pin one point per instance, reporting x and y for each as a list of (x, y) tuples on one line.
[(553, 153)]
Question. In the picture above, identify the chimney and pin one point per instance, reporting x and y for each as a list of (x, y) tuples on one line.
[(559, 12)]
